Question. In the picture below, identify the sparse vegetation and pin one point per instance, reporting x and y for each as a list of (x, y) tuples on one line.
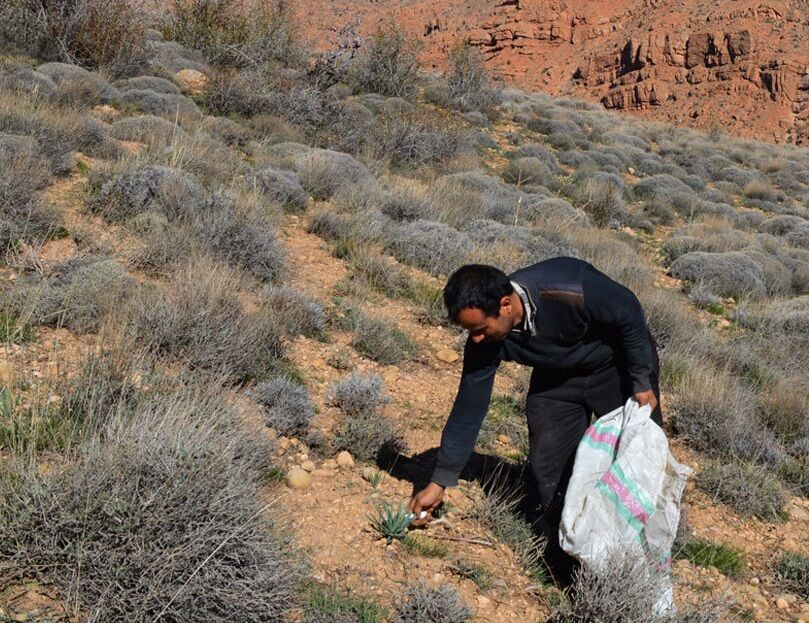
[(793, 573), (187, 286), (422, 604), (749, 489), (330, 605)]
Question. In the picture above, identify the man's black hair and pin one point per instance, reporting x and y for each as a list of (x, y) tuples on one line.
[(476, 285)]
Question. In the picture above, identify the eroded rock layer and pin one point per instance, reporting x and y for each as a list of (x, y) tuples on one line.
[(738, 65)]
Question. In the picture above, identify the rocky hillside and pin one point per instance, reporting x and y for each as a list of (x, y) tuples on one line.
[(739, 66)]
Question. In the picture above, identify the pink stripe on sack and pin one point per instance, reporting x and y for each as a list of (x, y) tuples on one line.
[(625, 496), (607, 438)]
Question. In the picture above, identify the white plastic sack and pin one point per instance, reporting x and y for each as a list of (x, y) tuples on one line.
[(624, 494)]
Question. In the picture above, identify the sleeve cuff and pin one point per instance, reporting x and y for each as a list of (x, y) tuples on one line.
[(639, 385), (445, 477)]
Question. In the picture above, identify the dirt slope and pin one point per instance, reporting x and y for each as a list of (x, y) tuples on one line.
[(738, 65)]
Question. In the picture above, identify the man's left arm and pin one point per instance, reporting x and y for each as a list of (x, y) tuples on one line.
[(611, 305)]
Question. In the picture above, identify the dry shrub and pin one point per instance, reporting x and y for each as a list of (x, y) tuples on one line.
[(109, 34), (469, 86), (423, 604), (388, 64), (750, 489), (76, 293), (197, 317), (162, 518), (235, 33), (24, 216)]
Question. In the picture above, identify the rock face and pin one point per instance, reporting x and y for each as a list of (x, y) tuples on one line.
[(739, 65)]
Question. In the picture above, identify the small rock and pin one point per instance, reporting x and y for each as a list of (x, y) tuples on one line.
[(755, 581), (283, 443), (344, 459), (483, 601), (631, 171), (329, 464), (298, 478), (308, 466), (191, 80), (782, 604), (447, 355)]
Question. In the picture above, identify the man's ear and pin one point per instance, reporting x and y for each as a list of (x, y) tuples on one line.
[(505, 305)]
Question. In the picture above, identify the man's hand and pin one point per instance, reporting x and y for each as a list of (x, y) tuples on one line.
[(646, 398), (426, 500)]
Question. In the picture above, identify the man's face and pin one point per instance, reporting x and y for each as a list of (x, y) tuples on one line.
[(483, 328)]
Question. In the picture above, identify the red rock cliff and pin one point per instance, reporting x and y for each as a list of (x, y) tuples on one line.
[(734, 64)]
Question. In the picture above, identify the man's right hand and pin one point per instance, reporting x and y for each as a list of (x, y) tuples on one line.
[(426, 500)]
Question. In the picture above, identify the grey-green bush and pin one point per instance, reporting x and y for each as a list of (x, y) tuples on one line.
[(437, 248), (24, 215), (600, 195), (136, 189), (162, 518), (388, 64), (197, 318), (323, 172), (726, 274), (297, 311), (287, 406), (283, 187), (76, 293), (358, 394), (422, 604), (750, 489)]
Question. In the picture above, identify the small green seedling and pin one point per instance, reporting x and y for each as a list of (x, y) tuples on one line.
[(392, 522)]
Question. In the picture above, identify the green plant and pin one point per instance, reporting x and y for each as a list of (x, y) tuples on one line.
[(331, 605), (479, 574), (707, 554), (793, 573), (391, 521), (14, 331), (375, 478), (429, 548)]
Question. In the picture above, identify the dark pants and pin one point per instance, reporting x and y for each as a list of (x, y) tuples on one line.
[(559, 409)]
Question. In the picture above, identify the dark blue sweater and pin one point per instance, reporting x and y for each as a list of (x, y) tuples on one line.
[(583, 321)]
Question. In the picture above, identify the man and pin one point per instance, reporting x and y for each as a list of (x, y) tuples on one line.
[(588, 343)]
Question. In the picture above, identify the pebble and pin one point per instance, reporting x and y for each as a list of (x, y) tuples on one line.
[(344, 459), (483, 601), (329, 464), (283, 443), (298, 478), (782, 604), (308, 466), (447, 355)]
